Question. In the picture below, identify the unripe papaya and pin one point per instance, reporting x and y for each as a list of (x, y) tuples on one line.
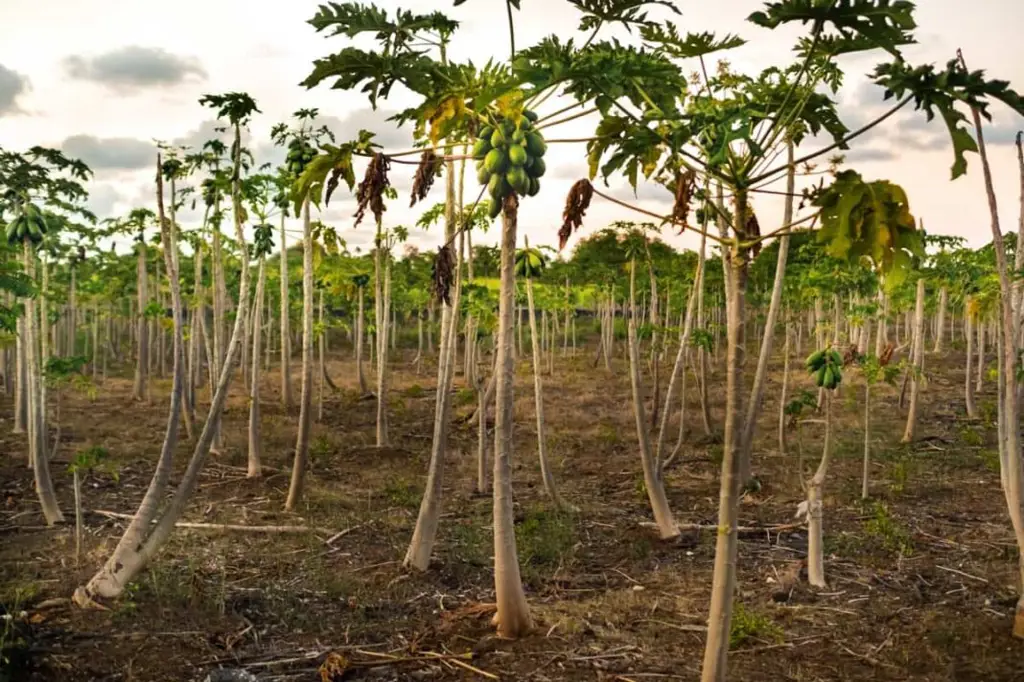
[(535, 144), (518, 180), (538, 167), (495, 161), (498, 187), (480, 148), (517, 155), (534, 187)]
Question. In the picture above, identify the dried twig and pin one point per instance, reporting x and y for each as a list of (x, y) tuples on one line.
[(223, 526)]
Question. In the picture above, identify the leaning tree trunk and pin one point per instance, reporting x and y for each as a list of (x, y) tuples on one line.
[(142, 328), (538, 396), (295, 489), (761, 374), (255, 443), (723, 583), (285, 331), (513, 614), (917, 364), (653, 479), (422, 544), (143, 539), (38, 455), (1010, 461)]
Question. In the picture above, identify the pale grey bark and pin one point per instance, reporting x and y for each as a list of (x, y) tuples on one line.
[(255, 441), (298, 479)]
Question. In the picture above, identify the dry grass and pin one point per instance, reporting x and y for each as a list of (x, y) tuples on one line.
[(612, 602)]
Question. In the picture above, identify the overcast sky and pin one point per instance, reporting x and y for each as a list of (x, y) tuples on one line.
[(101, 79)]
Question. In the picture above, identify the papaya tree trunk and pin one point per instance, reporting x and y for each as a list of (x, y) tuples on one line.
[(940, 320), (972, 410), (723, 583), (513, 614), (917, 366), (360, 336), (285, 331), (298, 480), (538, 396), (815, 510), (653, 479), (255, 442), (422, 543), (142, 328)]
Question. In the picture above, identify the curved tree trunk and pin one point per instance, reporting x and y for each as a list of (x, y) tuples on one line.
[(513, 615), (285, 331), (422, 544), (653, 479), (917, 363), (295, 489), (538, 396), (255, 443)]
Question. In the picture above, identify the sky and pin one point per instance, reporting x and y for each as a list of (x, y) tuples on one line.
[(103, 91)]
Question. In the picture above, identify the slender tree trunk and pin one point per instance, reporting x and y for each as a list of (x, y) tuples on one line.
[(653, 479), (972, 411), (422, 544), (142, 328), (296, 487), (513, 614), (815, 511), (286, 338), (321, 360), (255, 442), (21, 379), (940, 320), (783, 391), (724, 580), (981, 354), (918, 363), (382, 355), (538, 396), (364, 388), (866, 473)]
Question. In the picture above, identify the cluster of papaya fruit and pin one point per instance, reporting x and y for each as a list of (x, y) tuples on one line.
[(509, 158), (29, 224), (826, 365), (300, 153)]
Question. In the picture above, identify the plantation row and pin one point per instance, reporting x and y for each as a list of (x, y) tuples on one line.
[(847, 278)]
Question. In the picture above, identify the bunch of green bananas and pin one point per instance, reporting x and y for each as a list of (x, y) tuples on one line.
[(510, 158), (826, 366), (300, 153), (28, 224)]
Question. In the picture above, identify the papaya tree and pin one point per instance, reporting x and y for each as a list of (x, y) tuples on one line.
[(154, 520)]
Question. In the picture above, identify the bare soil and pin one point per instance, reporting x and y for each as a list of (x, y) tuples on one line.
[(921, 577)]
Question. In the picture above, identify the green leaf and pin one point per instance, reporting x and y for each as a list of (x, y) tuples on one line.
[(881, 23), (667, 38)]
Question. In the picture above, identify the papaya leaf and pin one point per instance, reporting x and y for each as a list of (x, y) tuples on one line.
[(884, 23), (869, 220), (625, 12), (940, 90), (667, 38)]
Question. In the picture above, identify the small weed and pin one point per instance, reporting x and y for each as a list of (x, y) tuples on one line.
[(545, 537), (640, 488), (320, 448), (472, 543), (465, 396), (641, 548), (887, 531), (971, 436), (402, 493), (414, 391), (991, 459), (607, 433), (900, 475), (747, 623)]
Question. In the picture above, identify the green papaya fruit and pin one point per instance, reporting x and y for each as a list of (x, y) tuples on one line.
[(517, 155), (496, 161), (538, 167), (486, 132), (498, 187), (815, 360), (494, 209), (518, 180), (480, 148), (819, 376), (531, 116), (534, 187), (518, 136), (483, 175), (535, 144), (829, 380), (498, 138)]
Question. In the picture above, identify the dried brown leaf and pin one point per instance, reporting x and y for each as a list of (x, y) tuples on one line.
[(576, 205), (428, 169), (443, 274), (370, 193)]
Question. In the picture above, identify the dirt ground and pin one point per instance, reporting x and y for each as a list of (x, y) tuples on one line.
[(921, 578)]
